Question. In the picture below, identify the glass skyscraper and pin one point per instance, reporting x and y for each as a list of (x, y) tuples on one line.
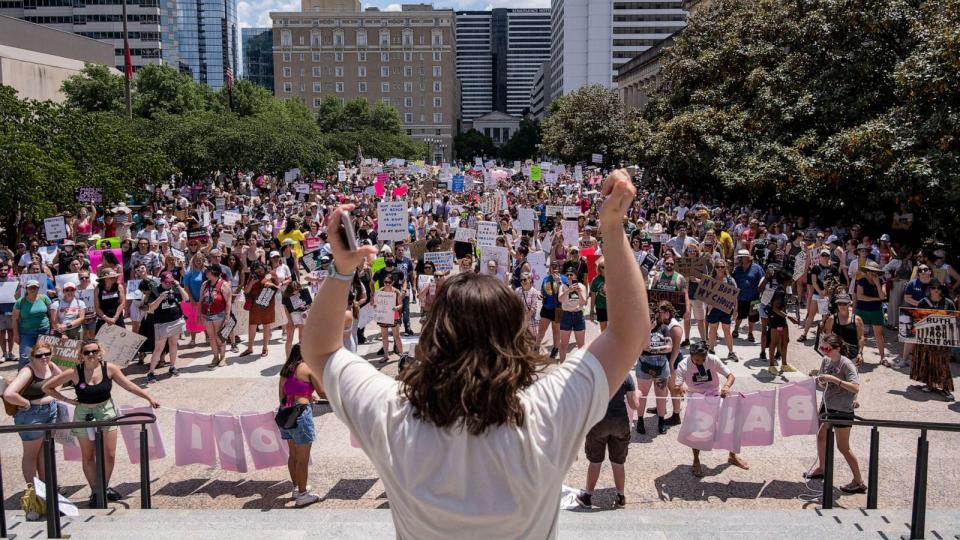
[(258, 56), (207, 36)]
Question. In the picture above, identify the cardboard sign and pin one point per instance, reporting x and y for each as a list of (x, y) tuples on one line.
[(220, 203), (366, 316), (528, 216), (718, 295), (133, 290), (571, 233), (311, 244), (553, 209), (120, 345), (538, 266), (486, 233), (91, 195), (392, 220), (47, 253), (578, 173), (693, 267), (800, 265), (66, 352), (200, 235), (8, 291), (386, 301), (228, 327), (464, 234), (443, 261), (226, 240), (423, 281), (676, 298), (55, 228), (571, 212), (498, 254), (265, 297), (938, 327), (536, 173)]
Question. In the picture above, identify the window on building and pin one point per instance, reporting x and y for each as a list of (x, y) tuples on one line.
[(339, 87), (436, 71), (361, 71), (436, 56), (287, 72), (422, 118), (384, 71), (408, 102), (316, 71), (315, 57), (316, 102), (338, 38), (362, 87), (436, 38), (408, 87), (408, 71), (338, 71), (338, 57), (437, 86), (407, 118), (361, 57), (317, 88), (287, 87), (408, 57), (384, 38), (408, 38), (506, 134), (315, 38), (385, 101), (301, 40), (437, 102), (361, 38), (384, 57), (286, 38), (287, 57), (385, 87)]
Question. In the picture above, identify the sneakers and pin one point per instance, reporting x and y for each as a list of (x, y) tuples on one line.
[(763, 355), (685, 343), (296, 492), (113, 495), (174, 371), (641, 429), (585, 500), (947, 396), (620, 501), (750, 338), (652, 410), (151, 378), (408, 333), (661, 425), (674, 420), (901, 363), (787, 368), (306, 499), (773, 370), (733, 357)]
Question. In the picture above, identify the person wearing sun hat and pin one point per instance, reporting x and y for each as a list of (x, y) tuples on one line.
[(932, 363), (869, 297)]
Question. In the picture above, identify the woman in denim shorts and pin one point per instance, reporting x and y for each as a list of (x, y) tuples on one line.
[(297, 385), (34, 406)]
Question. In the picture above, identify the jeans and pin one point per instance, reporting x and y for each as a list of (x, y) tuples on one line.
[(405, 313), (28, 338)]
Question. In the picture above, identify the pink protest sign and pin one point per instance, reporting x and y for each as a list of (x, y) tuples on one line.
[(797, 408), (728, 437), (379, 187), (699, 426), (131, 438), (193, 439), (755, 418), (96, 257), (226, 429), (192, 315), (400, 191), (263, 439)]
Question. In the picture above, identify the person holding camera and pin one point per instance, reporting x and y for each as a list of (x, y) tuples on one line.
[(163, 303)]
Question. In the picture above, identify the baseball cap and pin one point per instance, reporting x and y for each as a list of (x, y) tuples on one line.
[(884, 237), (274, 254), (69, 285), (744, 253), (843, 299), (33, 283)]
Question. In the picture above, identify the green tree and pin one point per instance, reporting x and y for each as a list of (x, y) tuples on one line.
[(163, 89), (473, 144), (377, 130), (524, 143), (248, 98), (94, 89), (592, 119)]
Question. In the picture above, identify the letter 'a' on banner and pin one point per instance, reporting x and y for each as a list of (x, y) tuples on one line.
[(194, 441), (226, 429), (755, 417), (699, 427), (797, 408), (131, 438), (262, 436)]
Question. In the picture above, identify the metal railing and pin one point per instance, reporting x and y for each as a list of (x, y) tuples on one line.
[(919, 509), (54, 528)]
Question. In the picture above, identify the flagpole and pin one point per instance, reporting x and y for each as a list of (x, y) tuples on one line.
[(127, 62)]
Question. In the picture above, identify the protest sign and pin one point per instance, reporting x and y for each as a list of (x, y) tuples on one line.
[(693, 267), (486, 233), (119, 345), (311, 244), (228, 327), (423, 281), (677, 298), (392, 220), (571, 212), (301, 188), (63, 279), (937, 327), (47, 253), (527, 218), (596, 158), (442, 260), (178, 254), (226, 240), (366, 317), (718, 294), (109, 243), (384, 312), (91, 195), (198, 234), (65, 352), (265, 297), (8, 291), (133, 290), (39, 278), (291, 175), (498, 254), (550, 177), (220, 203), (553, 209), (464, 234), (578, 173), (230, 218), (96, 257), (457, 185), (536, 173), (538, 266), (55, 228), (799, 265), (571, 233), (797, 408)]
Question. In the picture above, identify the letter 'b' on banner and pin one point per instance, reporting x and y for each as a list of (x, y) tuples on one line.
[(194, 440), (699, 426), (131, 438), (797, 408), (226, 429), (263, 439)]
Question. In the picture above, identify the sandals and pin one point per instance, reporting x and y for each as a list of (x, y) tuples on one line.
[(813, 476), (264, 353), (247, 352), (854, 488)]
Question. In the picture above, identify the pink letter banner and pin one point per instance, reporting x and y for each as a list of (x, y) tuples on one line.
[(263, 438), (131, 438), (226, 428), (797, 408), (193, 439), (699, 427), (755, 418)]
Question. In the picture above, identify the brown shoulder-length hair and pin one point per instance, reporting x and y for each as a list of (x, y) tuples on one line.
[(474, 357)]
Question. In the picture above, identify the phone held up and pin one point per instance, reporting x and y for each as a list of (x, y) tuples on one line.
[(347, 233)]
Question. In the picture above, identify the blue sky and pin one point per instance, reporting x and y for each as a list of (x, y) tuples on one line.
[(255, 12)]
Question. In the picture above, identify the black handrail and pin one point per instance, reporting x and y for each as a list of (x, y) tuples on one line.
[(919, 507), (54, 528)]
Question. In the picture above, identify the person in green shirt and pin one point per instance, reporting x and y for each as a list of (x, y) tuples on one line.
[(598, 297), (31, 318)]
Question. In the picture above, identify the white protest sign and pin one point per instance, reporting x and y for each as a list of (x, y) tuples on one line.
[(384, 310), (392, 220), (596, 158), (40, 278), (553, 210), (498, 254), (63, 279), (226, 240), (302, 188), (578, 173), (47, 253), (133, 290), (442, 260), (423, 281), (119, 344), (464, 234), (8, 292), (571, 233), (66, 507), (341, 176), (550, 177), (799, 265), (538, 266), (571, 212), (55, 228), (366, 316), (486, 233), (221, 203), (231, 218), (527, 217)]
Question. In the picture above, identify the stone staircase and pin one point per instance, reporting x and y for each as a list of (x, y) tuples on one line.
[(686, 524)]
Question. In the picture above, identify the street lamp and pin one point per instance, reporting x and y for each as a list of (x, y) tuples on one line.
[(431, 141)]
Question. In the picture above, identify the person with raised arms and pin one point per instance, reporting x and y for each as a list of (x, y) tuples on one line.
[(479, 388)]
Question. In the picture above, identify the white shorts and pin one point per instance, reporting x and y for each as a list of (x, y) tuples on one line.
[(698, 309)]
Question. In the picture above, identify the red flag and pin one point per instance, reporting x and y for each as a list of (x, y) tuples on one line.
[(127, 61), (229, 78)]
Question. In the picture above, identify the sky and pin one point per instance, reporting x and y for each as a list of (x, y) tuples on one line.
[(255, 13)]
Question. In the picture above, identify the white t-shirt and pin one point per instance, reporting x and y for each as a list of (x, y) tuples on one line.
[(446, 483), (703, 379)]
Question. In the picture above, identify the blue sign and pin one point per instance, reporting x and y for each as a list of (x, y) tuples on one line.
[(457, 184)]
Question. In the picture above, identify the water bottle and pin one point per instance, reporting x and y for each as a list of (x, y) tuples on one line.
[(91, 432)]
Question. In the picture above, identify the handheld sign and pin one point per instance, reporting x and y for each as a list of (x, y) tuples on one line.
[(55, 228), (120, 345), (384, 310), (392, 220), (718, 294), (486, 233)]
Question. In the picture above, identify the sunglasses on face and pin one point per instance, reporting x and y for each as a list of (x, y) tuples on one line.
[(90, 352), (42, 355), (826, 349)]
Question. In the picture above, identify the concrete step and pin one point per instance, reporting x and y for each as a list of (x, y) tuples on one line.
[(686, 524)]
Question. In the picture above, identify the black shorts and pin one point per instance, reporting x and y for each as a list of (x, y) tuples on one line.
[(743, 311), (840, 415), (550, 314), (609, 433), (601, 315)]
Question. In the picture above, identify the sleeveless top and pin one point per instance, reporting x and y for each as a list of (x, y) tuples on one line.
[(212, 301), (670, 284), (110, 300), (848, 333), (92, 394), (294, 388), (34, 389), (659, 335)]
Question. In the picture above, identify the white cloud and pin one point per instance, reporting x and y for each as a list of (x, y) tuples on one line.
[(257, 12), (392, 7)]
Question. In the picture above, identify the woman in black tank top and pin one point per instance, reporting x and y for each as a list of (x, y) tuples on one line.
[(848, 326), (93, 380), (109, 299)]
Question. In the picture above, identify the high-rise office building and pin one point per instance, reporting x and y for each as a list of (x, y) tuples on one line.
[(170, 44), (258, 56), (100, 20), (592, 39), (498, 55), (404, 59), (208, 36)]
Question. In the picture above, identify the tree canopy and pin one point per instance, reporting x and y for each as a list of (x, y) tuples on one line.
[(473, 144), (589, 120)]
